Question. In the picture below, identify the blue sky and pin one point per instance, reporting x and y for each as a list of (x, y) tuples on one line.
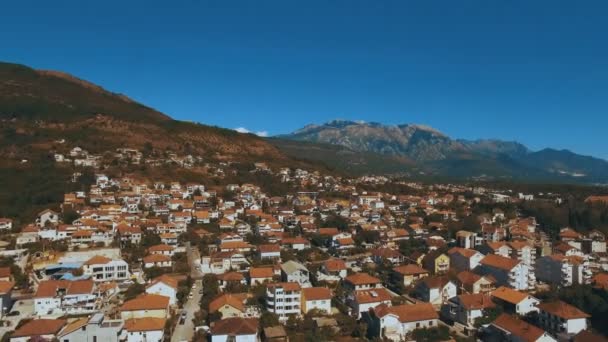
[(531, 71)]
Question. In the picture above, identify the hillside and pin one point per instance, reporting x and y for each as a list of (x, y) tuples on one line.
[(48, 112), (40, 107), (434, 153)]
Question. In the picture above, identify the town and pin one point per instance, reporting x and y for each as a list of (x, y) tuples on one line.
[(332, 258)]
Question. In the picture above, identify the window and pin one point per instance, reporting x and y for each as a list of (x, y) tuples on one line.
[(417, 325), (430, 323)]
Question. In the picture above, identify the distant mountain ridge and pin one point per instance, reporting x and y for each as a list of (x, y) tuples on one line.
[(431, 149)]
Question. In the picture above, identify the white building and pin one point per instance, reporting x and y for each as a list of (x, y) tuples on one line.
[(397, 322), (100, 268), (507, 271), (515, 301), (464, 259), (235, 329), (66, 297), (165, 286), (563, 270), (316, 298), (294, 272), (284, 299), (91, 329), (148, 329), (560, 318)]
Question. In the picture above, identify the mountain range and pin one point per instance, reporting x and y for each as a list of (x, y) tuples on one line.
[(430, 151), (39, 108)]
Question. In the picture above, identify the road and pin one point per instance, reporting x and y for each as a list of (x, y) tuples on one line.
[(185, 332)]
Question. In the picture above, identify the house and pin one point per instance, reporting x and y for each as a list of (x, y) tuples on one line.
[(436, 262), (409, 274), (157, 260), (435, 289), (283, 299), (6, 224), (47, 217), (65, 297), (469, 282), (149, 329), (229, 305), (466, 308), (260, 275), (297, 243), (562, 270), (164, 285), (332, 270), (222, 262), (363, 300), (162, 249), (100, 268), (560, 318), (397, 322), (463, 259), (390, 255), (89, 329), (145, 305), (235, 329), (316, 298), (46, 329), (515, 301), (269, 251), (361, 281), (507, 328), (506, 271), (294, 272), (230, 278)]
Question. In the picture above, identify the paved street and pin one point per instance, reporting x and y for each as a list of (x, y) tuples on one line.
[(185, 332)]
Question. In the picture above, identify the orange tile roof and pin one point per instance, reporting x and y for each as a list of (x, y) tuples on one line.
[(146, 302), (230, 276), (463, 251), (233, 300), (334, 265), (361, 279), (160, 248), (165, 279), (562, 310), (235, 245), (328, 231), (145, 324), (6, 286), (261, 272), (509, 295), (48, 288), (408, 313), (71, 327), (372, 296), (154, 258), (235, 326), (269, 248), (523, 330), (476, 301), (316, 293), (39, 327), (410, 269), (98, 260), (500, 262)]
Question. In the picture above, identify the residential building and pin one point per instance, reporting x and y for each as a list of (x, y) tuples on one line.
[(435, 289), (562, 270), (515, 301), (46, 329), (148, 329), (235, 329), (284, 299), (409, 274), (66, 297), (466, 308), (95, 328), (316, 298), (397, 322), (101, 268), (562, 319), (507, 271), (145, 305), (507, 328), (294, 272)]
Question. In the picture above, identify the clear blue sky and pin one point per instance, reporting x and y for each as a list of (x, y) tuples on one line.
[(531, 71)]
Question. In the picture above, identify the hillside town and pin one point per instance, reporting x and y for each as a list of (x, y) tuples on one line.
[(332, 259)]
